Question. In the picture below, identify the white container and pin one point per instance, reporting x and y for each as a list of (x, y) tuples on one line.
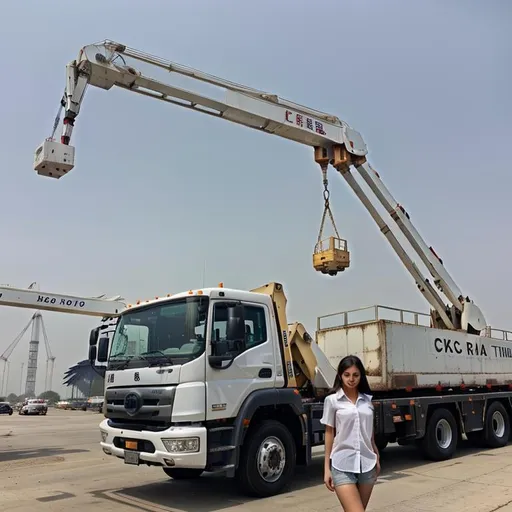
[(398, 355), (54, 159)]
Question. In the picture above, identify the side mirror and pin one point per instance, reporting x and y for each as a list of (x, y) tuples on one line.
[(93, 337), (103, 350), (235, 326), (92, 354)]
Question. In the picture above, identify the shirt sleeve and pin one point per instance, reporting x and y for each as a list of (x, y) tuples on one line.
[(329, 415)]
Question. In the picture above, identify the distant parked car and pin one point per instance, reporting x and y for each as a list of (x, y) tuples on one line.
[(5, 408), (94, 403), (63, 404), (34, 406)]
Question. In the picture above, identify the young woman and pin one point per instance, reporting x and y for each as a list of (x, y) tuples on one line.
[(351, 456)]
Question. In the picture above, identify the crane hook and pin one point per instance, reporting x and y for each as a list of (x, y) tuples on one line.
[(331, 255)]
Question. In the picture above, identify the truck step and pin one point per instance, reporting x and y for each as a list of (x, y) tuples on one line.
[(221, 449), (218, 469), (220, 429)]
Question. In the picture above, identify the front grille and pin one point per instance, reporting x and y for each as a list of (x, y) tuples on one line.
[(152, 426), (140, 405), (121, 402)]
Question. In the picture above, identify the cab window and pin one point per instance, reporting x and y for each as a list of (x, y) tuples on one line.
[(255, 325)]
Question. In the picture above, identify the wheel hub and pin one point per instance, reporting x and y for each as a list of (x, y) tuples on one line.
[(498, 424), (444, 433), (271, 459)]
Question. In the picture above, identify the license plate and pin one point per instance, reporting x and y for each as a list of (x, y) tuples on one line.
[(130, 445), (131, 457)]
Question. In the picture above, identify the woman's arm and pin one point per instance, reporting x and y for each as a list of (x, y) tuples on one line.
[(329, 420), (376, 450), (329, 440)]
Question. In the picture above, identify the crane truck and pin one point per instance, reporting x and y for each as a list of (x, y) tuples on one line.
[(216, 380)]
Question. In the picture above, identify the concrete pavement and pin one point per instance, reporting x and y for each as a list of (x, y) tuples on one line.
[(54, 463)]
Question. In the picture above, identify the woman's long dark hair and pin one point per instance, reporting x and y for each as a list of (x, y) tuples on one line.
[(345, 363)]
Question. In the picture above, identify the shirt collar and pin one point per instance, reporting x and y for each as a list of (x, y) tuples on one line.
[(364, 396)]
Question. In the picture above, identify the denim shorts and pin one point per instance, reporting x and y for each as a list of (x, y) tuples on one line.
[(345, 477)]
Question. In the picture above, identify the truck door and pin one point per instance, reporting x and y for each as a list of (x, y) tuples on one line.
[(252, 361)]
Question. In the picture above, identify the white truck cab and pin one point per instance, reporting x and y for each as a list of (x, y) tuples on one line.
[(188, 375)]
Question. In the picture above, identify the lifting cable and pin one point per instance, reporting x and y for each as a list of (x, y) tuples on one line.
[(327, 208)]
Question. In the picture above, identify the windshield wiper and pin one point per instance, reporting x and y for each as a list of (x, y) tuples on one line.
[(123, 363), (152, 352), (156, 361)]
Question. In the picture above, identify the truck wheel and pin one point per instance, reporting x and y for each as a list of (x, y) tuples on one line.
[(440, 441), (497, 426), (381, 442), (183, 473), (267, 461)]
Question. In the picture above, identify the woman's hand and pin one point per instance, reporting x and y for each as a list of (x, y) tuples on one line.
[(328, 480), (378, 467)]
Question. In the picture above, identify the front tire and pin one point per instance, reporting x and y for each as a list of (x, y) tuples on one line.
[(183, 473), (267, 460)]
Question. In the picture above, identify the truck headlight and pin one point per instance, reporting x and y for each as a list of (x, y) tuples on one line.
[(104, 435), (183, 445)]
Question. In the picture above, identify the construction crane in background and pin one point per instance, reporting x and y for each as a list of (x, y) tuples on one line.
[(7, 354), (50, 361), (107, 64), (32, 298), (38, 327)]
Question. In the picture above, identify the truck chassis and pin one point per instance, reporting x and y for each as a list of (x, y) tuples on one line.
[(277, 430)]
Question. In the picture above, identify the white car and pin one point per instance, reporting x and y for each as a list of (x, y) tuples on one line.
[(34, 406)]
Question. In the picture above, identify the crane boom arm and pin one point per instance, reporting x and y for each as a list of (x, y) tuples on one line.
[(33, 299), (97, 66), (106, 65)]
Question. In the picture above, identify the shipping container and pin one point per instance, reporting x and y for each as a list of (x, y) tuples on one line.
[(404, 353), (431, 387)]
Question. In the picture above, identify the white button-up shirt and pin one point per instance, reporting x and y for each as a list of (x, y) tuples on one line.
[(352, 449)]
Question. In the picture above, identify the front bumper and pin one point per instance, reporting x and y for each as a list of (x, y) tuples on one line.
[(151, 449)]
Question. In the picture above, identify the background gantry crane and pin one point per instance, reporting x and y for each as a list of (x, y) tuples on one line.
[(7, 354), (37, 324), (50, 361)]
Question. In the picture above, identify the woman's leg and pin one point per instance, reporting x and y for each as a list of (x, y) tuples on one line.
[(365, 491), (348, 495), (365, 484), (345, 486)]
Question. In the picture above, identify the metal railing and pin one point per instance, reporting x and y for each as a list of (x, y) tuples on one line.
[(331, 243), (377, 312), (404, 316), (501, 334)]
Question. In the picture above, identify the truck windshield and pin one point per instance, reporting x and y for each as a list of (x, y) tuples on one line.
[(173, 332)]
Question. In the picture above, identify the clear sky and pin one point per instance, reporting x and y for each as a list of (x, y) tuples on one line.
[(157, 191)]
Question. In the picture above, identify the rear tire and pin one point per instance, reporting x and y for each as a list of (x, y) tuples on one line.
[(496, 431), (183, 473), (267, 460), (381, 442), (440, 441)]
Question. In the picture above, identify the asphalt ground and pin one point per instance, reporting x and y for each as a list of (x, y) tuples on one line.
[(54, 463)]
